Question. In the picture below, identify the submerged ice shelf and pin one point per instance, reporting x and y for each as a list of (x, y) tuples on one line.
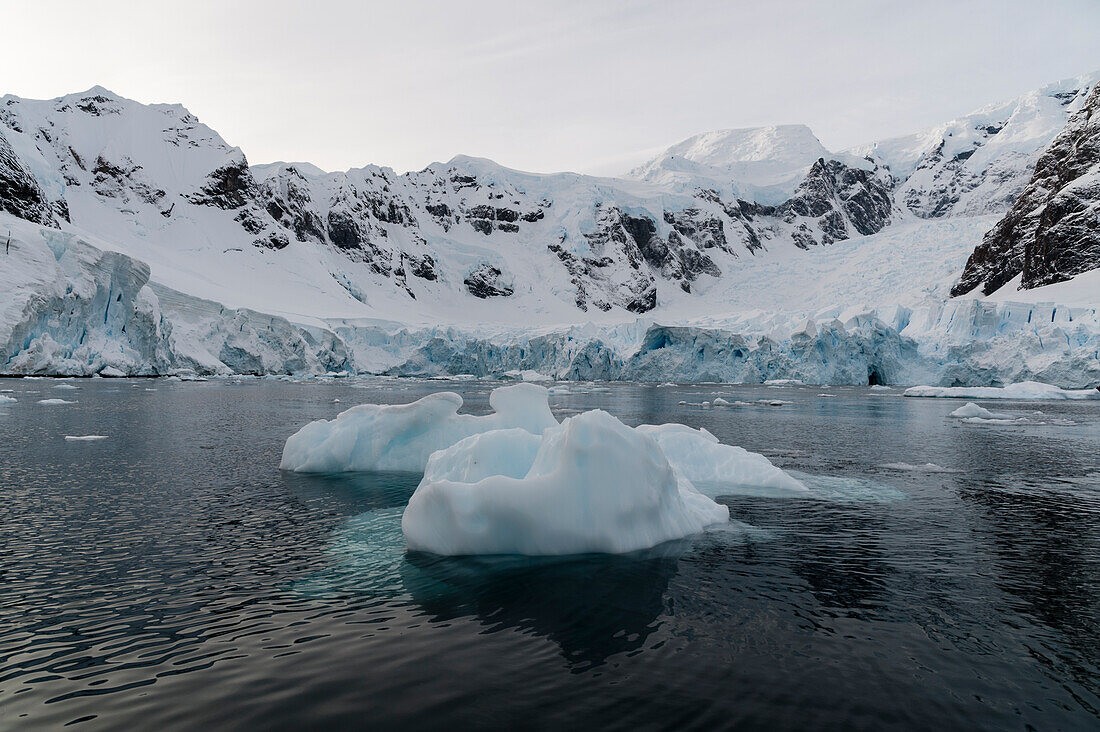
[(518, 482)]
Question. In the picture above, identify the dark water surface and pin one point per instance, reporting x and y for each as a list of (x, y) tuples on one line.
[(170, 576)]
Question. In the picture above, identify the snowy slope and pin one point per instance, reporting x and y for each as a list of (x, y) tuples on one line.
[(759, 164), (978, 164)]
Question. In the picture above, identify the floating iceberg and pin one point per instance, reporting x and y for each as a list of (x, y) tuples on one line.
[(594, 485), (6, 399), (1023, 390), (54, 401), (517, 482), (403, 436), (85, 438)]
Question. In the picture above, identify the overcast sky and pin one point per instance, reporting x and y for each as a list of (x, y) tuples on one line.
[(548, 85)]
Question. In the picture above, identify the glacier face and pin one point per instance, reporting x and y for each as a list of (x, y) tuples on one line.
[(70, 308)]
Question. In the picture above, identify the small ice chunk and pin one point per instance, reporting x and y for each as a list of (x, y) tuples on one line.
[(784, 382), (1022, 390), (65, 386), (54, 401), (594, 485), (970, 409), (880, 387), (926, 468), (7, 399), (720, 402), (85, 438), (112, 372), (403, 436)]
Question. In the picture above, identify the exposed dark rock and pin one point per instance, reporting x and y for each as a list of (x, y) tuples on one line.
[(20, 194), (343, 230), (483, 225), (274, 240), (505, 226), (835, 195), (422, 266), (230, 186), (439, 210), (1052, 231), (485, 281)]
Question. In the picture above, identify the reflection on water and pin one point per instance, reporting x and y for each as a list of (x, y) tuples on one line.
[(171, 576), (592, 607)]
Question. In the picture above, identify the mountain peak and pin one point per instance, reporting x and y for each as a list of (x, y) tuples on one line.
[(756, 163)]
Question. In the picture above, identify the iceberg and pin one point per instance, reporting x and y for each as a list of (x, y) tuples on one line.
[(594, 485), (55, 401), (1029, 390), (518, 482), (4, 399), (403, 436)]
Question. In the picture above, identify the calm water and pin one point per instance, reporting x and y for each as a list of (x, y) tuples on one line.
[(171, 577)]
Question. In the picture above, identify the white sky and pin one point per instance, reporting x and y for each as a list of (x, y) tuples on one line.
[(547, 85)]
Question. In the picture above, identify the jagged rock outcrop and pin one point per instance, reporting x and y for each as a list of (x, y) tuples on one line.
[(835, 202), (486, 281), (20, 193), (1052, 231), (978, 164)]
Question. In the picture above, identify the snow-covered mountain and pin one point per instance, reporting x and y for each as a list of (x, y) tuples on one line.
[(980, 163), (328, 260), (1052, 232)]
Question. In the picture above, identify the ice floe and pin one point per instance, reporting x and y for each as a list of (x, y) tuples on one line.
[(1023, 390), (85, 438), (55, 401)]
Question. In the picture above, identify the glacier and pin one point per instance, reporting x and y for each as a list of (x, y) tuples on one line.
[(68, 307)]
